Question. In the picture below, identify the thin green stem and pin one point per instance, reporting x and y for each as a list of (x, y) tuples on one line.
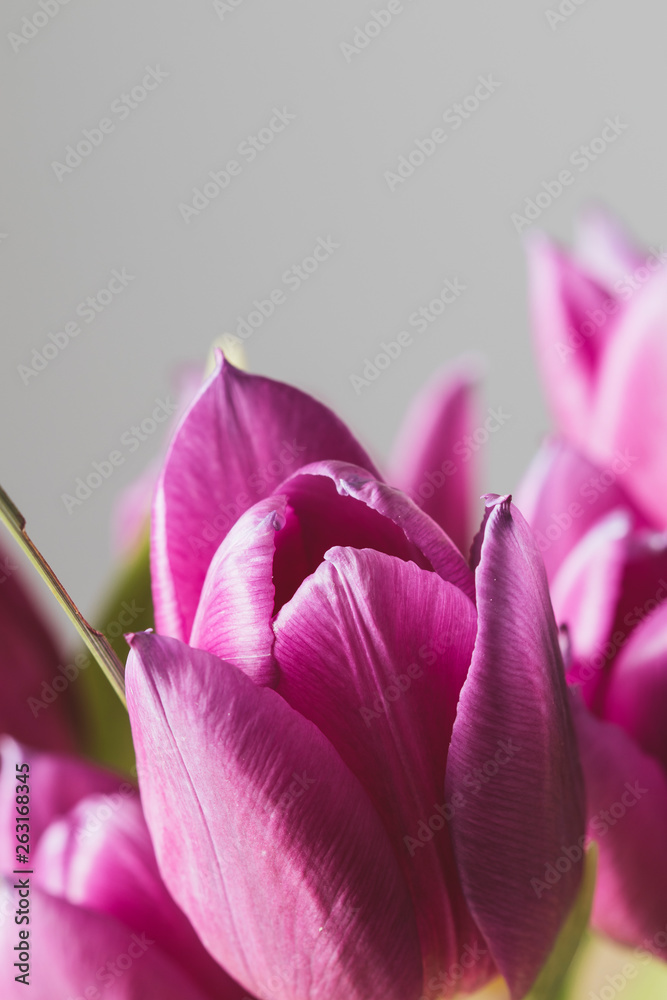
[(94, 640)]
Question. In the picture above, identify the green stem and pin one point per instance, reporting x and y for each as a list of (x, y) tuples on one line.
[(94, 640)]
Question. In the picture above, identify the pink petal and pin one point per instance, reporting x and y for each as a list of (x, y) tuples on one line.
[(630, 414), (636, 697), (374, 651), (402, 529), (570, 344), (100, 857), (294, 875), (531, 800), (627, 816), (587, 587), (563, 495), (77, 950), (431, 462), (644, 584), (233, 619), (59, 783), (603, 247), (241, 436), (323, 512), (30, 710)]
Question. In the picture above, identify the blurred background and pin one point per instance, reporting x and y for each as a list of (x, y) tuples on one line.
[(169, 166)]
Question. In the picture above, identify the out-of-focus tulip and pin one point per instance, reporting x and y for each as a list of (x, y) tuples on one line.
[(35, 706), (608, 574), (100, 920), (600, 325)]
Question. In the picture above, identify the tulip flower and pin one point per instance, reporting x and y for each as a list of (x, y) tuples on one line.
[(600, 326), (101, 922), (35, 706), (608, 573), (355, 752)]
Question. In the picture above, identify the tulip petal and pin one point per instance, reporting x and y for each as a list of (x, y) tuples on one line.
[(643, 586), (627, 816), (636, 698), (100, 856), (587, 586), (322, 514), (28, 664), (233, 619), (309, 893), (603, 247), (402, 530), (532, 803), (240, 437), (630, 413), (77, 950), (563, 495), (60, 782), (426, 463), (374, 651), (569, 344)]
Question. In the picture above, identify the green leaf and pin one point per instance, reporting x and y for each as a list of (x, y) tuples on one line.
[(104, 723), (555, 979)]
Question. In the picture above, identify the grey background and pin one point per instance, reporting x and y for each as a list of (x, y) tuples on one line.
[(323, 175)]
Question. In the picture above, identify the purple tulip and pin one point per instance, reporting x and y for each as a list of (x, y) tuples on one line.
[(355, 753), (101, 922), (600, 325), (608, 574)]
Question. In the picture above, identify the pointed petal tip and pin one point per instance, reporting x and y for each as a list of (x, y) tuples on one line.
[(496, 500), (135, 638)]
